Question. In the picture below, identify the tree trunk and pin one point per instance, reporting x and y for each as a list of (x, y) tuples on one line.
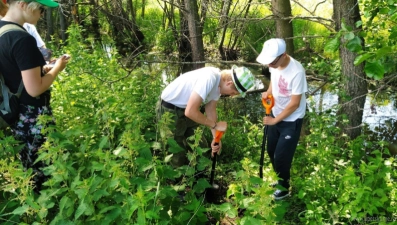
[(223, 26), (282, 9), (195, 36), (50, 25), (143, 8), (127, 35), (62, 23), (95, 21), (353, 77), (184, 46)]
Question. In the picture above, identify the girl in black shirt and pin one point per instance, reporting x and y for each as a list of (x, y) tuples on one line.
[(20, 59)]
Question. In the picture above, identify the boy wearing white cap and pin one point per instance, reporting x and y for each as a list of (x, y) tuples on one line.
[(288, 86), (184, 96)]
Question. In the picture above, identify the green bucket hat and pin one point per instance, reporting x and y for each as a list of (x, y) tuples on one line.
[(243, 79), (48, 3)]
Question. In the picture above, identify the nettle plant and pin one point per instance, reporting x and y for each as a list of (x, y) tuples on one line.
[(345, 181), (107, 153)]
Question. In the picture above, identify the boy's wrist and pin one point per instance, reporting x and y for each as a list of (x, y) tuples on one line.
[(214, 126)]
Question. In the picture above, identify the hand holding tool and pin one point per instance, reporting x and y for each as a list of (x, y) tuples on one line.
[(218, 136), (210, 193), (268, 104)]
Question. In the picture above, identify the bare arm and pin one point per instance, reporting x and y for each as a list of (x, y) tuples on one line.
[(291, 107), (268, 92), (192, 111), (35, 84), (210, 111)]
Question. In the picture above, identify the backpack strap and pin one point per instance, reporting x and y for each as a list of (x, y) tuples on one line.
[(10, 27), (6, 95), (3, 30)]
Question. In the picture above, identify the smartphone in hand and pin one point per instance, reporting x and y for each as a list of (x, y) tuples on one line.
[(67, 56), (52, 62)]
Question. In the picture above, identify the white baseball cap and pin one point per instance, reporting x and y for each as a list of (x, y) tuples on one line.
[(272, 49)]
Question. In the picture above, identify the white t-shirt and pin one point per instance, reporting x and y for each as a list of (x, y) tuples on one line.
[(285, 83), (204, 81), (31, 29)]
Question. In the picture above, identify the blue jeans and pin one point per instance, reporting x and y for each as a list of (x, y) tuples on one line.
[(282, 140)]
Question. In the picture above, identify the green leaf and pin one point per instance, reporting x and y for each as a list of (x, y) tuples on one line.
[(383, 51), (20, 210), (152, 215), (64, 222), (361, 58), (184, 216), (203, 163), (80, 210), (156, 145), (383, 11), (97, 166), (344, 27), (225, 207), (301, 194), (173, 146), (106, 209), (332, 45), (393, 34), (354, 45), (168, 158), (201, 185), (114, 214), (119, 151), (99, 194), (57, 135), (349, 36), (141, 217), (146, 153), (247, 201), (255, 180), (65, 203), (104, 141), (374, 70), (248, 220), (228, 210), (31, 203)]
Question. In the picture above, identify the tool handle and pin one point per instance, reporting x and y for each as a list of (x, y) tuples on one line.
[(263, 152), (213, 167), (268, 103)]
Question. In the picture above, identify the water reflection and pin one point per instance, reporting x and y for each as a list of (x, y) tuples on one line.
[(375, 114)]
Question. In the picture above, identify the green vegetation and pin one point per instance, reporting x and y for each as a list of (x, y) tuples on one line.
[(108, 161), (108, 153)]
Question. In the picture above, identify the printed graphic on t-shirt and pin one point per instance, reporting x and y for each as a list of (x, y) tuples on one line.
[(283, 87), (284, 93)]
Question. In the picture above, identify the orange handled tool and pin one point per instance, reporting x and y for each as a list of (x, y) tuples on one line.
[(268, 103), (218, 136), (217, 139), (211, 193)]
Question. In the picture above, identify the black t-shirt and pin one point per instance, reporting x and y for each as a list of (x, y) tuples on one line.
[(19, 52)]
